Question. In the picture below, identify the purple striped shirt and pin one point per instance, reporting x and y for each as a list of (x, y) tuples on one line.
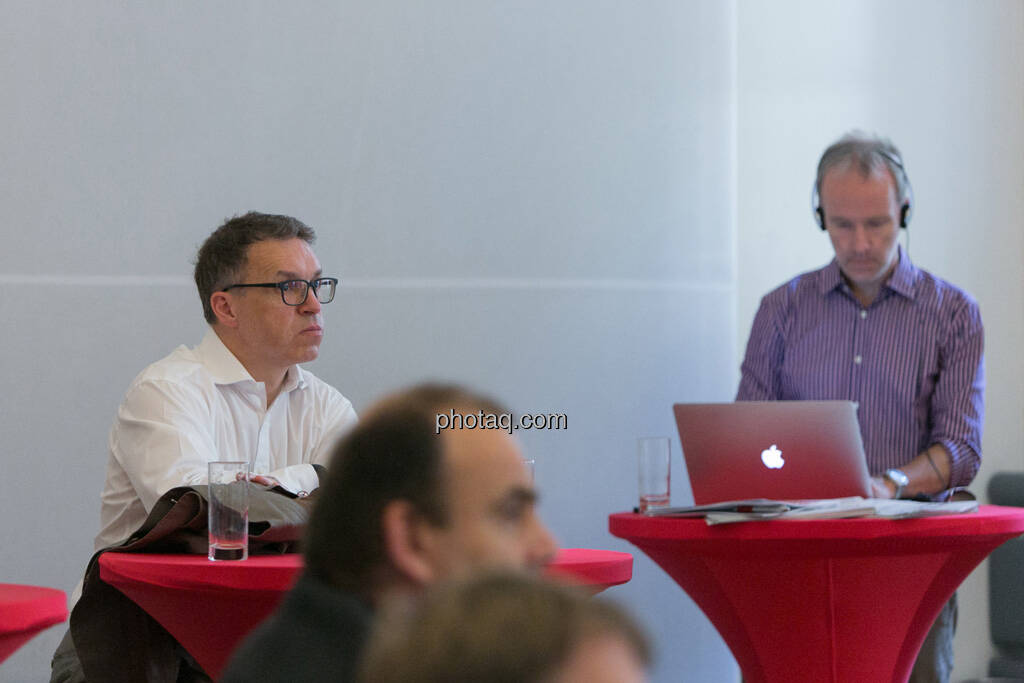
[(912, 360)]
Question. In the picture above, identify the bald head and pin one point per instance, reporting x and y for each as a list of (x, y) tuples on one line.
[(404, 505)]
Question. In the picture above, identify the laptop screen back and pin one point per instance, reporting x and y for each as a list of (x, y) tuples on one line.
[(781, 450)]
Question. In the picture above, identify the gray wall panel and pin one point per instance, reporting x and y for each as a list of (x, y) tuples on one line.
[(532, 197)]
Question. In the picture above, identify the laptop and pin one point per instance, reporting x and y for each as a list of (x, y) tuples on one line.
[(779, 450)]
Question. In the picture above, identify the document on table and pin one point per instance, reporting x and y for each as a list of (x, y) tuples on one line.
[(826, 508)]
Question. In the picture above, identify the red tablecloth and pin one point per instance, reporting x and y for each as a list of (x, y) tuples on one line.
[(822, 600), (25, 611), (210, 606), (595, 569)]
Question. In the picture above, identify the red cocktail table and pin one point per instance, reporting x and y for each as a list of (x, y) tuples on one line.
[(210, 606), (25, 611), (822, 600)]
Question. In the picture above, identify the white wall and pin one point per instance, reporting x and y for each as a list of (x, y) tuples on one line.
[(537, 198), (533, 197), (945, 80)]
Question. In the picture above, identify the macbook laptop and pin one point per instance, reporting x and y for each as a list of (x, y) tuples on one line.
[(781, 450)]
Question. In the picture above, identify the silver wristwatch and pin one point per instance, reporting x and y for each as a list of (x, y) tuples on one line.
[(899, 479)]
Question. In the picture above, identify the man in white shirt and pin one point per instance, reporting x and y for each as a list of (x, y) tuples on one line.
[(240, 394)]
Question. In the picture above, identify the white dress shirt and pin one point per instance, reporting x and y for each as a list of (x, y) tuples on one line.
[(200, 404)]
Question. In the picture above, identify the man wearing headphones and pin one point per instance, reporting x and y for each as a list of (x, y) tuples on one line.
[(871, 327)]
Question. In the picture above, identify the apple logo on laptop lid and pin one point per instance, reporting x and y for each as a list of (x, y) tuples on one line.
[(772, 458)]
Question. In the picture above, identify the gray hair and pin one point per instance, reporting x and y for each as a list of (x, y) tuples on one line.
[(866, 153)]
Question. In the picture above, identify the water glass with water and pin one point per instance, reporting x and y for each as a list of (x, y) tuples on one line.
[(654, 468), (228, 521)]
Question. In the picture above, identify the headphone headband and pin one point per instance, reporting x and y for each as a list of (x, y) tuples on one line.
[(906, 210)]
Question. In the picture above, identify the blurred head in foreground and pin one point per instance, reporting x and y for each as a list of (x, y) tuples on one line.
[(506, 628), (406, 504)]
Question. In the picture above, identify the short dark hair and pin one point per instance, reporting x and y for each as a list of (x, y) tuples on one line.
[(496, 627), (225, 252), (394, 453)]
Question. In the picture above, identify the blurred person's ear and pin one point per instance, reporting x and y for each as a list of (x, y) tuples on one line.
[(408, 542)]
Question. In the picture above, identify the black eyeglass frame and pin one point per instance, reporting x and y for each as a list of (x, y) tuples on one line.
[(281, 286)]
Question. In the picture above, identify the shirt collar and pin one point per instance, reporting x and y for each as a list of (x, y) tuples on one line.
[(902, 280), (905, 277), (831, 277), (295, 379), (227, 369)]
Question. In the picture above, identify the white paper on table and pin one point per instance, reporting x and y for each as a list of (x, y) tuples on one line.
[(826, 508)]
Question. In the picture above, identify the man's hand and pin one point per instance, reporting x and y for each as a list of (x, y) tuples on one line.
[(265, 480), (882, 488)]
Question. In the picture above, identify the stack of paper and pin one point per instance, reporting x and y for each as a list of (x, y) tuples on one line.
[(827, 508)]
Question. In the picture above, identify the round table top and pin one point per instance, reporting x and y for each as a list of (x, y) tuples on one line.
[(593, 567), (195, 572), (988, 520), (25, 608)]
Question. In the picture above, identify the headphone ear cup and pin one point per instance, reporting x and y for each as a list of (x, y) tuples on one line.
[(819, 215), (904, 213)]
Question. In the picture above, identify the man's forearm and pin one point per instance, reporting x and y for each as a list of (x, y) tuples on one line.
[(928, 472)]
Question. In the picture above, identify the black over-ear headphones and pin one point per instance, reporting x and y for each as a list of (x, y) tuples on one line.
[(896, 166)]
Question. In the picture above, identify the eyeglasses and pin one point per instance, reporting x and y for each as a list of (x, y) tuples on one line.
[(294, 292)]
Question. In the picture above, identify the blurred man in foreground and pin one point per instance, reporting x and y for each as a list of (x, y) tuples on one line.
[(401, 509)]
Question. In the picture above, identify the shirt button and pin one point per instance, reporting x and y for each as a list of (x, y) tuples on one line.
[(863, 314), (857, 359)]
